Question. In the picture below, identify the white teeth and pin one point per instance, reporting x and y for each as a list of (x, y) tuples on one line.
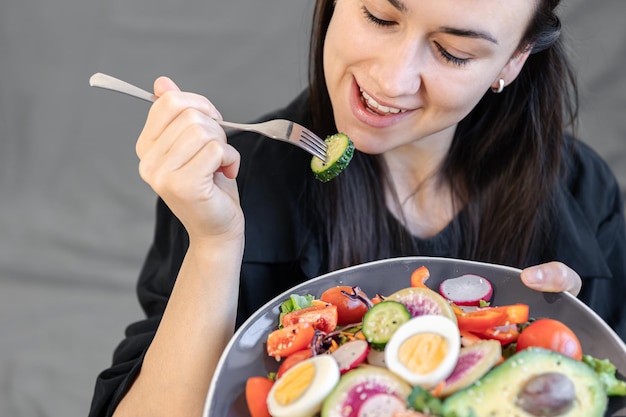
[(383, 109)]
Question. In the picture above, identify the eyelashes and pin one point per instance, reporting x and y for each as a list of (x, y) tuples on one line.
[(447, 56), (375, 20), (451, 58)]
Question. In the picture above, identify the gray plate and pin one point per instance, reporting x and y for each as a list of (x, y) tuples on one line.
[(245, 355)]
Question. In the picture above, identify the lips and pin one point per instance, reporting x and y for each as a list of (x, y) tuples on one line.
[(376, 107)]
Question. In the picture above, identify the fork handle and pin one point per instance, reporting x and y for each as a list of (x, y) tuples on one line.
[(115, 84), (109, 82)]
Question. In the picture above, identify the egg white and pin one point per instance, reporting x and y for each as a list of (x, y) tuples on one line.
[(439, 325), (310, 401)]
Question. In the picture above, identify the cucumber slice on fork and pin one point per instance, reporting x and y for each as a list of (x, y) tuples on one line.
[(338, 155)]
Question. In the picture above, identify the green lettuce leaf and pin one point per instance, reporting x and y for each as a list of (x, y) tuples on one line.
[(606, 373), (293, 303)]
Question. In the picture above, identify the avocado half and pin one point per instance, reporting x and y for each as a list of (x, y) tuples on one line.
[(571, 388)]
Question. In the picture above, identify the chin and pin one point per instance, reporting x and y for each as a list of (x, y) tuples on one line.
[(368, 147)]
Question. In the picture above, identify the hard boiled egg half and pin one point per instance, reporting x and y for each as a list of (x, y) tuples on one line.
[(424, 350), (300, 391)]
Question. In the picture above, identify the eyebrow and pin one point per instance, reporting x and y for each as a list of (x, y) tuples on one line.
[(467, 33), (400, 6)]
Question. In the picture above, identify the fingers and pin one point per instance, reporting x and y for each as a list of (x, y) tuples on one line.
[(179, 129), (168, 108), (192, 179), (176, 115), (164, 84), (189, 126), (552, 277)]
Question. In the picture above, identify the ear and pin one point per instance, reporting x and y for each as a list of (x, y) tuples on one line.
[(513, 67)]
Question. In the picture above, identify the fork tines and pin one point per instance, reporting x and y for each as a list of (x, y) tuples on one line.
[(316, 145)]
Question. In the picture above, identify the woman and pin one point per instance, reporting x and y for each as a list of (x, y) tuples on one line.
[(457, 110)]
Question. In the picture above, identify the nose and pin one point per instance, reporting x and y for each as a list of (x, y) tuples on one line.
[(398, 70)]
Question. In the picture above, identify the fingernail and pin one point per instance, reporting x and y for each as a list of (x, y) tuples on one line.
[(533, 276)]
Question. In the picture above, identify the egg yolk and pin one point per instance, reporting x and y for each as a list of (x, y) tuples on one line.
[(294, 383), (422, 353)]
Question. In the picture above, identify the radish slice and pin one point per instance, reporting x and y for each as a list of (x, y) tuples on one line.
[(381, 405), (376, 358), (351, 354), (466, 290)]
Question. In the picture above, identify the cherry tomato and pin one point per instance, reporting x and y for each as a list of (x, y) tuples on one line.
[(293, 359), (348, 310), (550, 334), (321, 317), (257, 390), (287, 340)]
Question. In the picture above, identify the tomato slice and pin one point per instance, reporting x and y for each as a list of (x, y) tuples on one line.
[(321, 317), (419, 277), (293, 359), (287, 340), (257, 390)]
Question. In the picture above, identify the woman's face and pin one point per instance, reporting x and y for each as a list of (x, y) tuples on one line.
[(407, 71)]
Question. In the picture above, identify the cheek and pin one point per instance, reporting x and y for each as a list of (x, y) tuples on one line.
[(456, 96), (338, 57), (335, 48), (346, 41)]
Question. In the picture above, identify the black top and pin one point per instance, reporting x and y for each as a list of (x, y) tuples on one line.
[(281, 251)]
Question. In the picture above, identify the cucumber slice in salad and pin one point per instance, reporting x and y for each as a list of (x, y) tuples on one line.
[(338, 155), (382, 320)]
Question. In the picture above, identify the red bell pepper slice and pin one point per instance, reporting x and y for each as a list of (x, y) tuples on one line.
[(503, 334), (515, 313), (419, 277), (482, 319)]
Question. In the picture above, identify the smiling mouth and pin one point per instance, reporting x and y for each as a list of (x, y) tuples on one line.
[(377, 108)]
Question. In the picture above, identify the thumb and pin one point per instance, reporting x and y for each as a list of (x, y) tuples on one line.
[(163, 85)]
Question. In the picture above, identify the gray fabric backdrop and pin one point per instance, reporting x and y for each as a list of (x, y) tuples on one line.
[(76, 220)]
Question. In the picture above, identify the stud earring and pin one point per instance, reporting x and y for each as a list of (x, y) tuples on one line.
[(499, 88)]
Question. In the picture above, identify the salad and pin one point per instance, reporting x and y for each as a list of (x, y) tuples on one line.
[(421, 352)]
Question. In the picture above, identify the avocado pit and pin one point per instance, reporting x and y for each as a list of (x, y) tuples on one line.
[(548, 394)]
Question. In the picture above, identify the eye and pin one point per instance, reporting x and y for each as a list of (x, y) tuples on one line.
[(375, 20), (451, 58)]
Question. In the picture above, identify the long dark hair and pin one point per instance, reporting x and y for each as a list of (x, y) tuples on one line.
[(503, 166)]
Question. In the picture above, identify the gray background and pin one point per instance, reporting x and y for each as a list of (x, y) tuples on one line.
[(76, 220)]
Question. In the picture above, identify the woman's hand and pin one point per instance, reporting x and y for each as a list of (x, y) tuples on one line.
[(552, 277), (184, 157)]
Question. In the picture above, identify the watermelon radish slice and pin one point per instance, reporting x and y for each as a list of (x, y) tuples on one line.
[(381, 405), (360, 384), (423, 301), (351, 354), (474, 361), (467, 290)]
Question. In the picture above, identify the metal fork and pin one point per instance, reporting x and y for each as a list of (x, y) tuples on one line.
[(279, 129)]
